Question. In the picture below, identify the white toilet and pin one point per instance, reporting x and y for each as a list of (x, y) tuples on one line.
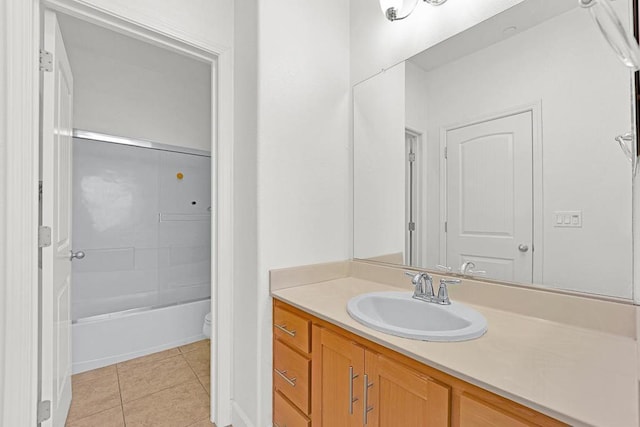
[(206, 327)]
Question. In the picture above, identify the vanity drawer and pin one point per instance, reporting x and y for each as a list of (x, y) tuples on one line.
[(291, 329), (286, 415), (476, 413), (291, 373)]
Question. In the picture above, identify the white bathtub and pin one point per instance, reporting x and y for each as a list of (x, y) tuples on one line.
[(122, 336)]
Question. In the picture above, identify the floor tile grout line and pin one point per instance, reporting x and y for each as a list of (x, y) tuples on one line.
[(88, 416), (124, 421), (196, 346), (158, 391), (140, 363), (137, 366), (190, 367)]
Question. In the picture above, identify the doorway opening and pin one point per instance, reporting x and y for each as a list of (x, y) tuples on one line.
[(137, 278)]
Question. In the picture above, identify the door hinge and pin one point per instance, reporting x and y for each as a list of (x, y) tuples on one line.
[(445, 152), (412, 226), (445, 226), (44, 236), (46, 60), (412, 157), (44, 411)]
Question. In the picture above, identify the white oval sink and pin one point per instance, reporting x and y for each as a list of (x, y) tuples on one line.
[(397, 313)]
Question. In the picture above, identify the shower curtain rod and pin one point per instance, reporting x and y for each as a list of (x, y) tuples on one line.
[(101, 137)]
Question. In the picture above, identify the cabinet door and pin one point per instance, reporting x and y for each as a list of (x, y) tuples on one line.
[(337, 381), (400, 396)]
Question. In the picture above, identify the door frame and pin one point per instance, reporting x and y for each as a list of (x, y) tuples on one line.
[(19, 157), (535, 108), (419, 187)]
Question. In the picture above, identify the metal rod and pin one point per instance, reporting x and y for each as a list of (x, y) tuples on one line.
[(365, 407), (352, 400), (101, 137), (283, 374), (284, 329)]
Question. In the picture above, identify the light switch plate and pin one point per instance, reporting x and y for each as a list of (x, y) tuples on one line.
[(567, 219)]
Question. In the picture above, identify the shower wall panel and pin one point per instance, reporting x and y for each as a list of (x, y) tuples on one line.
[(142, 217)]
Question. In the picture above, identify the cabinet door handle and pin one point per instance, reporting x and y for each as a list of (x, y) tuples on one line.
[(352, 400), (366, 408), (284, 329), (283, 374)]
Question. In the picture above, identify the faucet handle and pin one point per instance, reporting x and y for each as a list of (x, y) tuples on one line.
[(415, 276), (443, 294), (444, 268), (477, 272)]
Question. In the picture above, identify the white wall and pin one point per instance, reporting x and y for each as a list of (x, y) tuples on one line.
[(379, 165), (126, 87), (303, 151), (377, 43), (202, 23), (565, 64)]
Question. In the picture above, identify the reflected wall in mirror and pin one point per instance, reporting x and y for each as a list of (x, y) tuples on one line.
[(495, 152)]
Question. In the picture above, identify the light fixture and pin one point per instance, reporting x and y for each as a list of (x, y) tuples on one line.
[(394, 10), (622, 41)]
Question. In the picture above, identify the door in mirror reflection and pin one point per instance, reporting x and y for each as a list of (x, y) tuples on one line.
[(489, 190)]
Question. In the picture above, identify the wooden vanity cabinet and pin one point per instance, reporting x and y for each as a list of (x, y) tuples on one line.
[(401, 392), (291, 368), (394, 396)]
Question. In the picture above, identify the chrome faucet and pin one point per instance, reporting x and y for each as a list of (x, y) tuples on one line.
[(423, 288), (423, 285), (467, 268)]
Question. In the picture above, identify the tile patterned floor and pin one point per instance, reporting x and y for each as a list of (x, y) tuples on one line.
[(165, 389)]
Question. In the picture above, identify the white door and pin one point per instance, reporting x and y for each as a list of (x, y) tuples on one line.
[(490, 197), (57, 111)]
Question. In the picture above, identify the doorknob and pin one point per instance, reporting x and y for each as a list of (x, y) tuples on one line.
[(76, 255), (523, 248)]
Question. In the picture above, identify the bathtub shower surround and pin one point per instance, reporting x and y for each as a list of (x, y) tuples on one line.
[(143, 219)]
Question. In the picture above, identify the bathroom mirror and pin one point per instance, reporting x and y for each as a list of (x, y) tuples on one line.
[(494, 154)]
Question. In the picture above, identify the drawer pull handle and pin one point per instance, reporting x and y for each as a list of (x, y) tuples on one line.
[(283, 374), (352, 400), (284, 329), (366, 408)]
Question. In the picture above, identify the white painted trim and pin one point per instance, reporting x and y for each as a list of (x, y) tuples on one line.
[(443, 198), (159, 35), (18, 226), (538, 208), (19, 212), (239, 417), (221, 365), (420, 183), (538, 193)]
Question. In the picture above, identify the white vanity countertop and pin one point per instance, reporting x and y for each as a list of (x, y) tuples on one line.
[(579, 376)]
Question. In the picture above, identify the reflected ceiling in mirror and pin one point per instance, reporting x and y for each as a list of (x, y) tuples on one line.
[(494, 154)]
